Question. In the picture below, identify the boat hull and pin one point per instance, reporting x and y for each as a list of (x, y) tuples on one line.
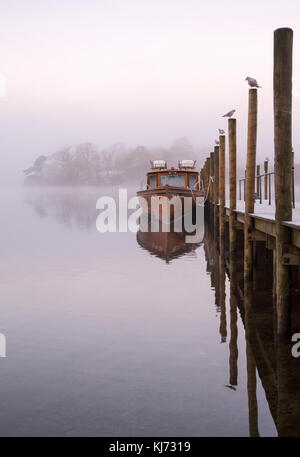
[(179, 205)]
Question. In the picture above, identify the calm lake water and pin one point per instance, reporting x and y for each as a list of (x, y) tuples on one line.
[(106, 338)]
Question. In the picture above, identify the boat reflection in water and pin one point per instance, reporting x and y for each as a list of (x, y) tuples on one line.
[(166, 245)]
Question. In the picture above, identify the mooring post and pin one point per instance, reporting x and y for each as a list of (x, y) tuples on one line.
[(222, 193), (233, 360), (212, 172), (250, 186), (258, 179), (216, 190), (283, 60), (232, 182), (266, 167), (208, 176)]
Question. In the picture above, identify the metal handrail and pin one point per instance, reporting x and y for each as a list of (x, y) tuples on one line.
[(269, 175)]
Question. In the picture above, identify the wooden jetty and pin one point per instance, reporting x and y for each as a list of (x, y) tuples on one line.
[(264, 224)]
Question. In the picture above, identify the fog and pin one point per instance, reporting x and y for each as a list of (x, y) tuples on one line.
[(138, 72)]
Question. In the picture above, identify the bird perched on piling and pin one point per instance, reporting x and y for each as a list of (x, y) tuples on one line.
[(221, 131), (252, 82), (230, 113), (217, 142)]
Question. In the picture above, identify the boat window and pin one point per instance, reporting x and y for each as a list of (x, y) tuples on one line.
[(193, 181), (152, 181), (172, 180)]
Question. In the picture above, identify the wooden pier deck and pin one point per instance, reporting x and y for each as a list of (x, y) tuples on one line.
[(264, 219)]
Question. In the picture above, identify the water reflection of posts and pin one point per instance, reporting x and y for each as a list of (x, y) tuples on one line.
[(222, 296), (251, 386), (288, 394), (233, 346)]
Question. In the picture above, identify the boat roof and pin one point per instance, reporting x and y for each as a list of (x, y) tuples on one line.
[(172, 170)]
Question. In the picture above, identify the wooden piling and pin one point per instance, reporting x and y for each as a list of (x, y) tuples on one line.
[(216, 193), (208, 179), (283, 59), (222, 193), (232, 252), (232, 183), (266, 167), (212, 172), (258, 179), (250, 186)]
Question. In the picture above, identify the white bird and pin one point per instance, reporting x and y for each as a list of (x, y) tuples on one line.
[(217, 142), (267, 159), (230, 113), (221, 132), (252, 82)]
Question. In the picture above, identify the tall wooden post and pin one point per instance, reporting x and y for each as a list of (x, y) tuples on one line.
[(250, 186), (212, 172), (216, 190), (258, 179), (232, 182), (232, 252), (222, 193), (266, 167), (208, 179), (283, 59)]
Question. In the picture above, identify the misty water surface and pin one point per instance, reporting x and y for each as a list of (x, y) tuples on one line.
[(104, 338)]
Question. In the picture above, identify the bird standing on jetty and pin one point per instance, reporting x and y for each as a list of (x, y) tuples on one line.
[(217, 142), (230, 113), (221, 131), (252, 82)]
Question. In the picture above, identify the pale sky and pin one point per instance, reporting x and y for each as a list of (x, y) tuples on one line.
[(143, 72)]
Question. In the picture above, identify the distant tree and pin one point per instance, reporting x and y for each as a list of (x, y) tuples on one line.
[(37, 167), (83, 164)]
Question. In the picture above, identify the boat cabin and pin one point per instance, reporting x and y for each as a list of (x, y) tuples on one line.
[(184, 176)]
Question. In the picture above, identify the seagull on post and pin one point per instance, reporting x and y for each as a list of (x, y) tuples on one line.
[(217, 143), (252, 82), (221, 132), (230, 113)]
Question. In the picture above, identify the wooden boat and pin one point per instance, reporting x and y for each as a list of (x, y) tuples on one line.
[(180, 182), (165, 245)]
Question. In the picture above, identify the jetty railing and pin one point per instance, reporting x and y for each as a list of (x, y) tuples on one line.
[(266, 187)]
